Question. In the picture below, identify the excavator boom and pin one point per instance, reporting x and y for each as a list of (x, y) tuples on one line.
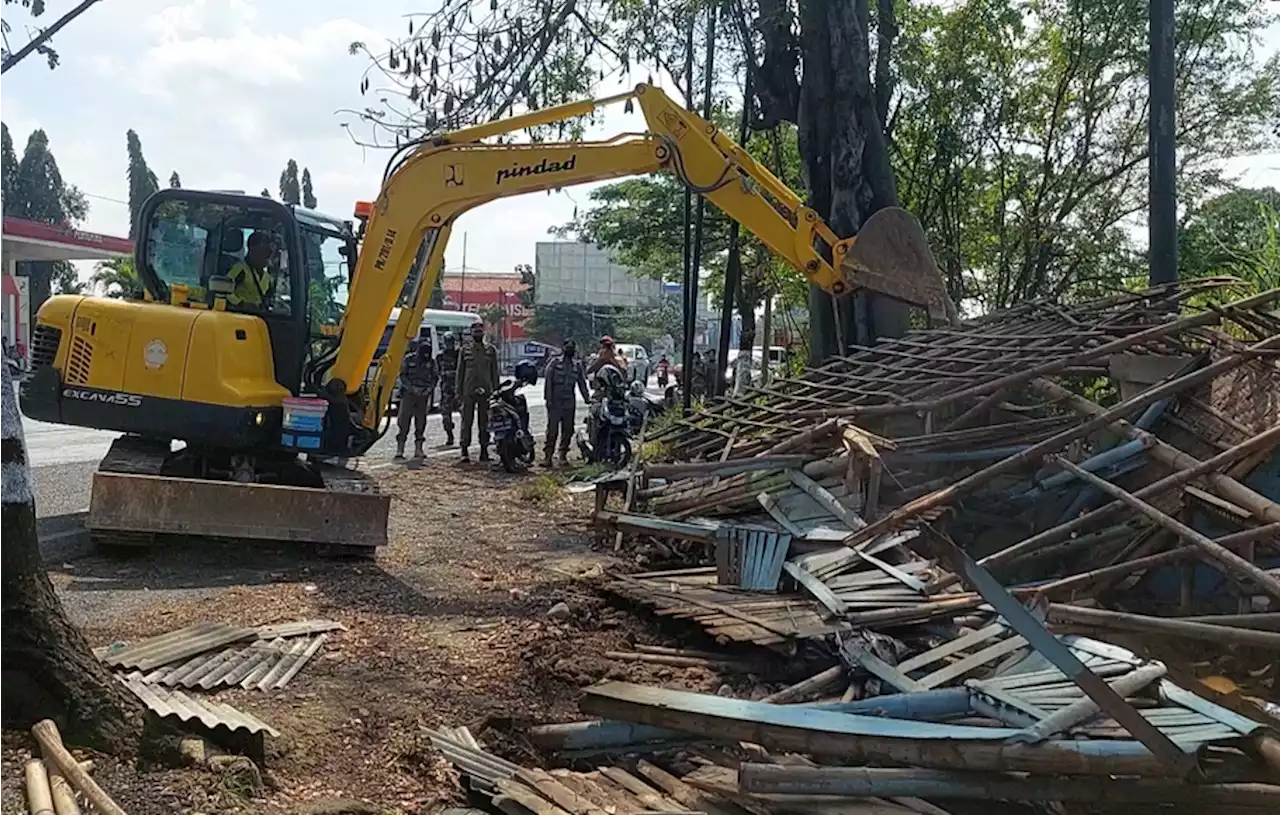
[(439, 179)]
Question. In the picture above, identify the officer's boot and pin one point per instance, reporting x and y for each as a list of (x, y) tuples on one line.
[(546, 458), (484, 452), (564, 458), (448, 437), (466, 456), (399, 450), (417, 450)]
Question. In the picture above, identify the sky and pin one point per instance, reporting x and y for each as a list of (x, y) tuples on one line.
[(227, 91)]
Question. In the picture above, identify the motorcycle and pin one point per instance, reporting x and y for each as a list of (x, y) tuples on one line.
[(644, 407), (509, 420), (608, 423)]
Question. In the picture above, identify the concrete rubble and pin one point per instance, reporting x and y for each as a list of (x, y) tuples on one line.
[(1031, 559)]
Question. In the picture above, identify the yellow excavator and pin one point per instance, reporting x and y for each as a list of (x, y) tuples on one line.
[(269, 403)]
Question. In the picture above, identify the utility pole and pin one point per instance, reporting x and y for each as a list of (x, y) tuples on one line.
[(1162, 206), (690, 279), (462, 286)]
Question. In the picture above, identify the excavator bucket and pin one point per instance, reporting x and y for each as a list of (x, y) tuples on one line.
[(891, 256)]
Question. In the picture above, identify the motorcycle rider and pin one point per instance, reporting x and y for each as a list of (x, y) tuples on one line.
[(418, 378), (447, 362), (563, 374), (607, 355), (664, 371)]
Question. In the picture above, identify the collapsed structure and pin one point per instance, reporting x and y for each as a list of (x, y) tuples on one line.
[(993, 543)]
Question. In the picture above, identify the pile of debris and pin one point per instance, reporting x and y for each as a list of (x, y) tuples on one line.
[(934, 523)]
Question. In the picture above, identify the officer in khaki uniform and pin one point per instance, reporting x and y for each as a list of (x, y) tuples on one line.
[(476, 379), (418, 378)]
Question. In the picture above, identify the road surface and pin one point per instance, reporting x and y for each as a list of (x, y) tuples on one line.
[(63, 458)]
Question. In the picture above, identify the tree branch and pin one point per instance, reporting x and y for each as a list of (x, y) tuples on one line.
[(39, 40)]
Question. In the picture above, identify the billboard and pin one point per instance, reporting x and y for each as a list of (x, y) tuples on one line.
[(583, 274), (474, 292)]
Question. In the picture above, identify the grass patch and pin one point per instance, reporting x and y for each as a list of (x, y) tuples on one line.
[(542, 489)]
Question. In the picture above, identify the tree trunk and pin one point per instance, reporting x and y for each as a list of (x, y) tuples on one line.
[(49, 671), (846, 159)]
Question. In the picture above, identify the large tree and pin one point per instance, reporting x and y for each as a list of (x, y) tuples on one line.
[(810, 60), (38, 193), (308, 192), (49, 671), (290, 187), (142, 182), (1019, 133), (1236, 233)]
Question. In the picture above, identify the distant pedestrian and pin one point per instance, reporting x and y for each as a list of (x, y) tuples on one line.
[(418, 378), (563, 375), (664, 372), (447, 362), (476, 379)]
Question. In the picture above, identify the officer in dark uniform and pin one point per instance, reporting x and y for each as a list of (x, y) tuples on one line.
[(447, 362), (475, 381), (563, 375), (418, 378)]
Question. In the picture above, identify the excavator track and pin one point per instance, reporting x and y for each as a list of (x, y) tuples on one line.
[(135, 504)]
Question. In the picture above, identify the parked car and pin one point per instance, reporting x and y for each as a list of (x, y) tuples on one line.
[(777, 364), (639, 365)]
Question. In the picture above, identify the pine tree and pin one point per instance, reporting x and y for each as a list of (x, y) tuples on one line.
[(38, 193), (308, 193), (290, 190), (142, 182), (9, 171), (174, 181)]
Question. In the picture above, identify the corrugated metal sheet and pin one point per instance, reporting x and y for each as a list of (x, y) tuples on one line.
[(188, 709), (299, 628), (264, 665), (177, 645)]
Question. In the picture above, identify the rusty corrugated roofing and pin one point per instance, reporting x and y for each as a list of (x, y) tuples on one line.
[(212, 715)]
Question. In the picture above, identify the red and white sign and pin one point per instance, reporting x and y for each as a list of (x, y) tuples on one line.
[(475, 292)]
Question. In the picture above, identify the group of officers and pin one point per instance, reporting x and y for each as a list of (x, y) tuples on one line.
[(468, 376)]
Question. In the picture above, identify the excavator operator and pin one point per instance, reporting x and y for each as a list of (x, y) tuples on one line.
[(250, 277)]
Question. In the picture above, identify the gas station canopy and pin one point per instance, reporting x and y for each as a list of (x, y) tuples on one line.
[(31, 240)]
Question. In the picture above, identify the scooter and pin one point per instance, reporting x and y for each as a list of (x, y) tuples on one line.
[(644, 407), (608, 425), (509, 420)]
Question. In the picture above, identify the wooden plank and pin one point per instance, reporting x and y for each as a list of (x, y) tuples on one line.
[(771, 506), (881, 669), (962, 666), (826, 499), (817, 588), (954, 646), (527, 798)]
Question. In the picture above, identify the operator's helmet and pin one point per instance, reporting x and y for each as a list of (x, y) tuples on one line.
[(637, 388), (610, 375), (526, 372)]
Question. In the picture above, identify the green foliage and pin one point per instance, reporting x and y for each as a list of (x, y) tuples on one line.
[(555, 323), (492, 314), (1234, 234), (643, 326), (1019, 133), (35, 8), (530, 283), (308, 192), (34, 190), (117, 278), (290, 187), (541, 489), (142, 182)]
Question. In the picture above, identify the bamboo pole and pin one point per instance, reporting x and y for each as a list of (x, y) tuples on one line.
[(1237, 568), (1055, 442), (1008, 555), (801, 689), (64, 797), (39, 798), (46, 733), (1122, 621)]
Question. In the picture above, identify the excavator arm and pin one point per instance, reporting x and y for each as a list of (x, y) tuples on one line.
[(443, 177)]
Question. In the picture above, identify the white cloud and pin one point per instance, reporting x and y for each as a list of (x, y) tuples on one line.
[(225, 92)]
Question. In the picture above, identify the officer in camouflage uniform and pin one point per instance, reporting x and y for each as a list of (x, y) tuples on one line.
[(475, 381), (418, 378), (447, 362), (563, 374)]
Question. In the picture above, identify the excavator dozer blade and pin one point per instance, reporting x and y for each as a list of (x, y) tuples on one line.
[(891, 256), (125, 506)]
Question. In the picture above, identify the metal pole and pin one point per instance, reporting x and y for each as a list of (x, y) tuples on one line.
[(695, 264), (462, 286), (1162, 144), (690, 296), (733, 269), (766, 342)]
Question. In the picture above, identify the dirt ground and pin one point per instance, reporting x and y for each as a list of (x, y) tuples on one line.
[(449, 626)]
